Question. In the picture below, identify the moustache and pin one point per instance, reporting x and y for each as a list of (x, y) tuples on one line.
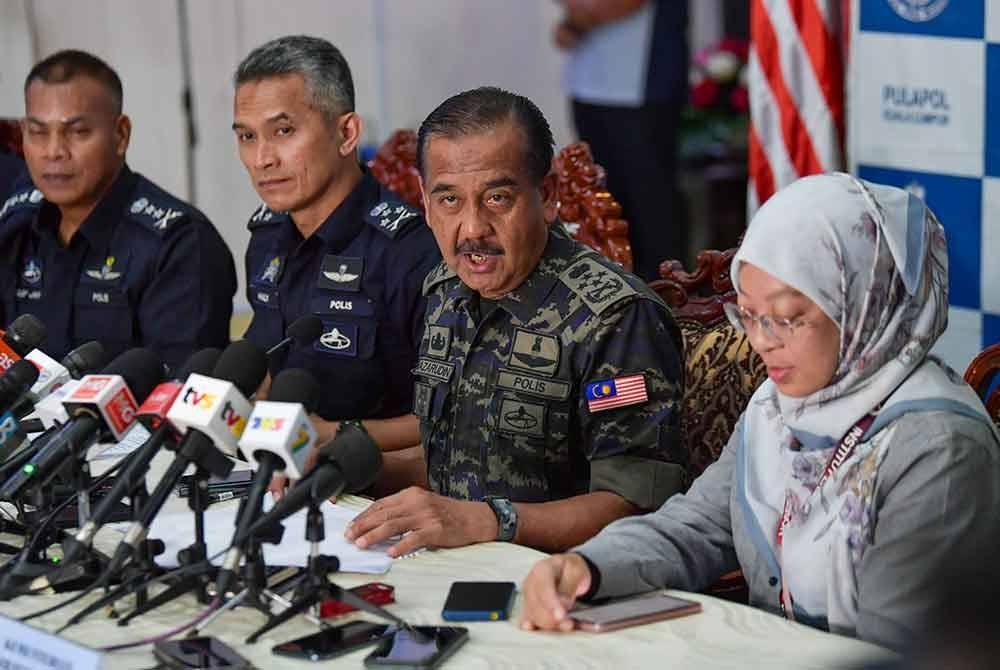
[(471, 247)]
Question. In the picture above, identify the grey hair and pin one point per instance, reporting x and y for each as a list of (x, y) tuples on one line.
[(327, 76)]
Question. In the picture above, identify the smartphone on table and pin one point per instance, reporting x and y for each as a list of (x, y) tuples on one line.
[(199, 652), (333, 641), (632, 612), (479, 601), (400, 648)]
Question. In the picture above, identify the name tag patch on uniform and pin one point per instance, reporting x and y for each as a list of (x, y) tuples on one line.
[(32, 271), (341, 273), (434, 369), (525, 418), (438, 341), (28, 294), (264, 297), (100, 296), (338, 338), (536, 352), (616, 392), (522, 383), (353, 305)]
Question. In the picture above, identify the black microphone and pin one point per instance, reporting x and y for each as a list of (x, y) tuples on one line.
[(153, 415), (213, 410), (102, 407), (350, 463), (23, 334), (303, 331), (15, 381), (83, 360), (278, 437)]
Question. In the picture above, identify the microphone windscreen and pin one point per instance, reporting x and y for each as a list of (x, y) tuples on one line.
[(83, 360), (305, 330), (16, 380), (295, 385), (200, 363), (141, 369), (25, 333), (357, 455), (243, 364)]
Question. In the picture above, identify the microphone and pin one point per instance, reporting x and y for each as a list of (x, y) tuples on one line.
[(351, 462), (84, 359), (13, 383), (23, 334), (102, 407), (302, 332), (152, 415), (278, 437), (52, 374), (211, 412)]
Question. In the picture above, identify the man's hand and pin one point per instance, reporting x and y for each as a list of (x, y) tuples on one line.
[(431, 520), (551, 589)]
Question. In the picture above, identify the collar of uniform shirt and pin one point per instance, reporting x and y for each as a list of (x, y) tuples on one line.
[(344, 223), (524, 301), (99, 225)]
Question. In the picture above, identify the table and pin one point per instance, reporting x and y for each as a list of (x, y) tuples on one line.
[(724, 635)]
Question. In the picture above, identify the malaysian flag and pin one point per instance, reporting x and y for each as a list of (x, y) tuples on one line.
[(616, 392), (796, 81)]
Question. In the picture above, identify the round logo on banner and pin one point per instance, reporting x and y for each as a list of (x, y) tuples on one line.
[(918, 11)]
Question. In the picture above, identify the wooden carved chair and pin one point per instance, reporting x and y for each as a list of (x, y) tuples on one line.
[(981, 375), (590, 213), (10, 137)]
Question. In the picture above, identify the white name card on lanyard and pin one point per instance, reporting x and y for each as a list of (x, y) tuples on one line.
[(26, 648)]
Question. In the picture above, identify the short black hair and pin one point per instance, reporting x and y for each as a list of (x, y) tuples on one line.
[(322, 65), (66, 65), (485, 108)]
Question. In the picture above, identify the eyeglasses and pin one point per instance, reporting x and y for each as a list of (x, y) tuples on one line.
[(774, 327)]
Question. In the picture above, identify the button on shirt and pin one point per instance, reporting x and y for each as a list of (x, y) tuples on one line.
[(570, 383), (143, 269), (361, 273)]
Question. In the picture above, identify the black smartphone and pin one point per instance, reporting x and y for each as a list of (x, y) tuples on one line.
[(402, 649), (478, 601), (199, 652), (332, 641)]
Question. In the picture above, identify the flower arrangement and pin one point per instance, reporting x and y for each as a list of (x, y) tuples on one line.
[(717, 116)]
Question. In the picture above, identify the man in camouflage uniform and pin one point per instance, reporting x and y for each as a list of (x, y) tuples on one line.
[(549, 379)]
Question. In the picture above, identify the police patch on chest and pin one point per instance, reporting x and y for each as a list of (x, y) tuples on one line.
[(350, 305), (31, 273), (270, 273), (522, 383), (438, 341), (340, 273), (338, 338), (534, 351), (109, 271), (434, 369), (521, 418)]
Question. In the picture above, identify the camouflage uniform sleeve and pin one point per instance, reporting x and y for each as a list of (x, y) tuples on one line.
[(634, 449)]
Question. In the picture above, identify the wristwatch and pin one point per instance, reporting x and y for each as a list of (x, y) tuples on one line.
[(506, 517)]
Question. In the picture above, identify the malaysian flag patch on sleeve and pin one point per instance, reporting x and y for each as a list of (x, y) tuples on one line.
[(616, 392)]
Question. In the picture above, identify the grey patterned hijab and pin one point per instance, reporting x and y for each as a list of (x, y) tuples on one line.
[(874, 259)]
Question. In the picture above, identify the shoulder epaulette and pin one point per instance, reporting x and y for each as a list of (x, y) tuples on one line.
[(157, 210), (439, 274), (28, 197), (597, 282), (391, 216), (263, 216)]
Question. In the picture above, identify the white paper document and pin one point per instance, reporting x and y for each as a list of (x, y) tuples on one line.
[(176, 529)]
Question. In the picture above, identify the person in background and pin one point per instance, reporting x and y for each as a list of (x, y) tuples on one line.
[(11, 167), (549, 379), (860, 469), (627, 78), (95, 250), (329, 241)]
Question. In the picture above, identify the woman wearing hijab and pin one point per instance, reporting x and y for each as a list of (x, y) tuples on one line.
[(860, 467)]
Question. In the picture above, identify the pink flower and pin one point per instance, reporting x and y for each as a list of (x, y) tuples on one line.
[(705, 94), (739, 99)]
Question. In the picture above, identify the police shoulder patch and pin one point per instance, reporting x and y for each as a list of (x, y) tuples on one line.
[(441, 273), (392, 216), (263, 216), (25, 198), (597, 284)]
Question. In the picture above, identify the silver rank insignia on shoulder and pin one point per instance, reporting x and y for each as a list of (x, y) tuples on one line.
[(161, 217), (391, 217), (106, 272)]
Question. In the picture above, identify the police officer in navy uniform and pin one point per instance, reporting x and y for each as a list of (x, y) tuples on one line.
[(11, 167), (94, 250), (330, 240)]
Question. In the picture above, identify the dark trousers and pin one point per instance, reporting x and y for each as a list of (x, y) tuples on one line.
[(638, 149)]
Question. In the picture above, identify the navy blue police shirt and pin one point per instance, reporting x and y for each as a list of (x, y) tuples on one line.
[(144, 269), (11, 168), (362, 273)]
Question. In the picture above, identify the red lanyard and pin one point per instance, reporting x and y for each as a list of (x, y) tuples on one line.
[(838, 458)]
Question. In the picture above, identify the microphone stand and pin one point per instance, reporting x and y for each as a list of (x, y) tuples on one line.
[(316, 587)]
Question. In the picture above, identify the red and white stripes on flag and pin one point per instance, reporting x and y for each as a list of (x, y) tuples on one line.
[(796, 82)]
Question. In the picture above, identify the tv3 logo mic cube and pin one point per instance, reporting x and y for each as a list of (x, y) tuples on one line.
[(109, 398), (213, 406), (280, 428)]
